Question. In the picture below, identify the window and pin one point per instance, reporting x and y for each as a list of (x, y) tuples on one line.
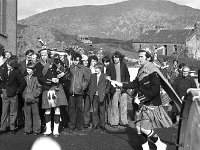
[(3, 17), (165, 50), (175, 49)]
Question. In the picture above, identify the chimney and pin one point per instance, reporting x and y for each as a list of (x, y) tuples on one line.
[(158, 28), (197, 27)]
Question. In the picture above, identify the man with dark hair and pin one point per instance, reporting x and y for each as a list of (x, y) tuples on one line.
[(79, 83), (23, 64), (118, 71), (151, 113), (14, 83), (92, 60), (106, 62)]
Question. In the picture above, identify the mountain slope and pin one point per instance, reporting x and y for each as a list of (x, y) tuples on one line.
[(120, 21)]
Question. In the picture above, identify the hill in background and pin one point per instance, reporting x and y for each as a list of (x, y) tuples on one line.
[(122, 20)]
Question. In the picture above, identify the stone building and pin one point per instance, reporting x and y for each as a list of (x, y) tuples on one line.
[(171, 41), (8, 24)]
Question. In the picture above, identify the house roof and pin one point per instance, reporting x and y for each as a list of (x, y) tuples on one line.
[(178, 36)]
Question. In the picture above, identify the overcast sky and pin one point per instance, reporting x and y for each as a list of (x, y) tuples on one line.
[(28, 8)]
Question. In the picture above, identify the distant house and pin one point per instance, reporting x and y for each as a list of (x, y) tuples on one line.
[(8, 24), (171, 41)]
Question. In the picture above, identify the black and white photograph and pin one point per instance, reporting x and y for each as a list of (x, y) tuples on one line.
[(99, 74)]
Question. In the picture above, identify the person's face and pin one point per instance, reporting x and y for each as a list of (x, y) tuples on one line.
[(85, 63), (29, 56), (7, 55), (186, 72), (106, 63), (97, 70), (34, 58), (142, 58), (175, 63), (116, 59), (76, 61), (165, 63), (93, 62), (29, 71), (62, 57), (44, 56)]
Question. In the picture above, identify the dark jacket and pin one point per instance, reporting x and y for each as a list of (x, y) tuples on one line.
[(14, 82), (79, 79), (45, 77), (23, 67), (3, 73), (182, 84), (149, 86), (111, 71), (102, 87)]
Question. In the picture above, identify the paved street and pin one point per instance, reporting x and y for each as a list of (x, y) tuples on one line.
[(88, 140)]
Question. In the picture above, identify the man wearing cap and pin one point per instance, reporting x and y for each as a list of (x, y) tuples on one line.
[(53, 94)]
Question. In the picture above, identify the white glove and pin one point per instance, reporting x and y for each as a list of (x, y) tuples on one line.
[(61, 75), (116, 83), (55, 80), (137, 101)]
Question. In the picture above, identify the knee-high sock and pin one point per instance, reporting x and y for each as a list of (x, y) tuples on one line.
[(48, 123), (57, 118), (153, 136), (47, 118), (56, 124), (142, 138)]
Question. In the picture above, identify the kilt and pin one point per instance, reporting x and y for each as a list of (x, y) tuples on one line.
[(150, 117), (165, 99), (61, 98)]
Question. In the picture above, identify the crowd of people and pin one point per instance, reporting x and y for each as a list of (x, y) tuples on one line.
[(50, 90)]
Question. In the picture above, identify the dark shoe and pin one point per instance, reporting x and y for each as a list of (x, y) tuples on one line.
[(94, 127), (2, 131), (27, 133), (36, 134), (45, 135), (56, 135), (13, 132), (114, 126), (102, 128), (67, 131), (86, 126), (125, 125)]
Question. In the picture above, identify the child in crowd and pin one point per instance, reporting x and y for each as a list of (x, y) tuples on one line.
[(31, 101), (98, 89)]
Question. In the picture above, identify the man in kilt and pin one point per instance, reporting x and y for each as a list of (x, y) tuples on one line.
[(53, 94), (151, 113)]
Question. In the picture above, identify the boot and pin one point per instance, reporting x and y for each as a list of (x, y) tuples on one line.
[(55, 129), (145, 146), (160, 145), (48, 129)]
